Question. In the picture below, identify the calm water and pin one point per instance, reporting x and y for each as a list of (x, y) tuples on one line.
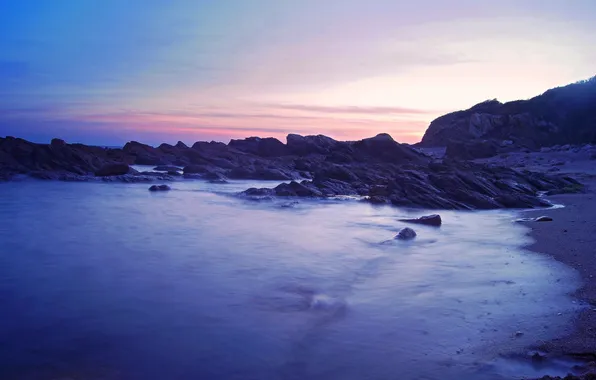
[(110, 281)]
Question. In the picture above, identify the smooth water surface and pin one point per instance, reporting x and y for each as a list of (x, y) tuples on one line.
[(110, 281)]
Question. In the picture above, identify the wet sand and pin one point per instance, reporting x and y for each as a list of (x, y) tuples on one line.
[(571, 239)]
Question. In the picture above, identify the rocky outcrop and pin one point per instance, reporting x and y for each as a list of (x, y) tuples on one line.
[(560, 115), (18, 156), (428, 220), (263, 147), (377, 169), (432, 185), (307, 145)]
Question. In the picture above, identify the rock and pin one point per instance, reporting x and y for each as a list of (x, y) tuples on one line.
[(258, 192), (144, 154), (264, 173), (195, 169), (112, 170), (471, 150), (215, 177), (57, 143), (543, 219), (264, 147), (382, 148), (405, 234), (296, 189), (160, 188), (167, 168), (307, 145), (429, 220)]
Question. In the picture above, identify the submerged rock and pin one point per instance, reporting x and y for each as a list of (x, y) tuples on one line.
[(160, 188), (405, 234), (429, 220)]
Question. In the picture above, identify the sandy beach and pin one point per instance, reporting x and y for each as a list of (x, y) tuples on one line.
[(571, 239)]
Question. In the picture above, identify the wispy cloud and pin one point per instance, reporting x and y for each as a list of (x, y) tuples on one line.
[(352, 109)]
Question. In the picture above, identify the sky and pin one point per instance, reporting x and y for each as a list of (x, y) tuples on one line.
[(109, 71)]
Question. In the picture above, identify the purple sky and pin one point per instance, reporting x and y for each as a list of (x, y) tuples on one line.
[(109, 71)]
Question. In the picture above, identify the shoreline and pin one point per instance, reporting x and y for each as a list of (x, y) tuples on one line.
[(570, 238)]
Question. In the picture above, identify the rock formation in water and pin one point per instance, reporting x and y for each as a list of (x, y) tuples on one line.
[(563, 115), (378, 168)]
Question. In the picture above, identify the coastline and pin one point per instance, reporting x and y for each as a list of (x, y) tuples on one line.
[(571, 239)]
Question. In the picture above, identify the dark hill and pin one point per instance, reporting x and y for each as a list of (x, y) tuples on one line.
[(562, 115)]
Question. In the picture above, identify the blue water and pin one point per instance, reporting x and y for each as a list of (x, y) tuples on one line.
[(110, 281)]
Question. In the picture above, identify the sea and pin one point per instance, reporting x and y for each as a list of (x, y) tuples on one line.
[(106, 281)]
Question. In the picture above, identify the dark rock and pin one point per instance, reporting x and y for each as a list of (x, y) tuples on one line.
[(307, 145), (429, 220), (544, 219), (471, 150), (195, 169), (255, 192), (378, 200), (406, 234), (160, 188), (383, 148), (264, 147), (264, 173), (215, 177), (57, 143), (295, 189), (112, 169)]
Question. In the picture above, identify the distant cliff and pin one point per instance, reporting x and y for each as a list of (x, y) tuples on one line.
[(562, 115)]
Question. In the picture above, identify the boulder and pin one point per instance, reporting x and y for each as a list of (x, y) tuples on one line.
[(160, 188), (112, 169), (405, 234), (428, 220)]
